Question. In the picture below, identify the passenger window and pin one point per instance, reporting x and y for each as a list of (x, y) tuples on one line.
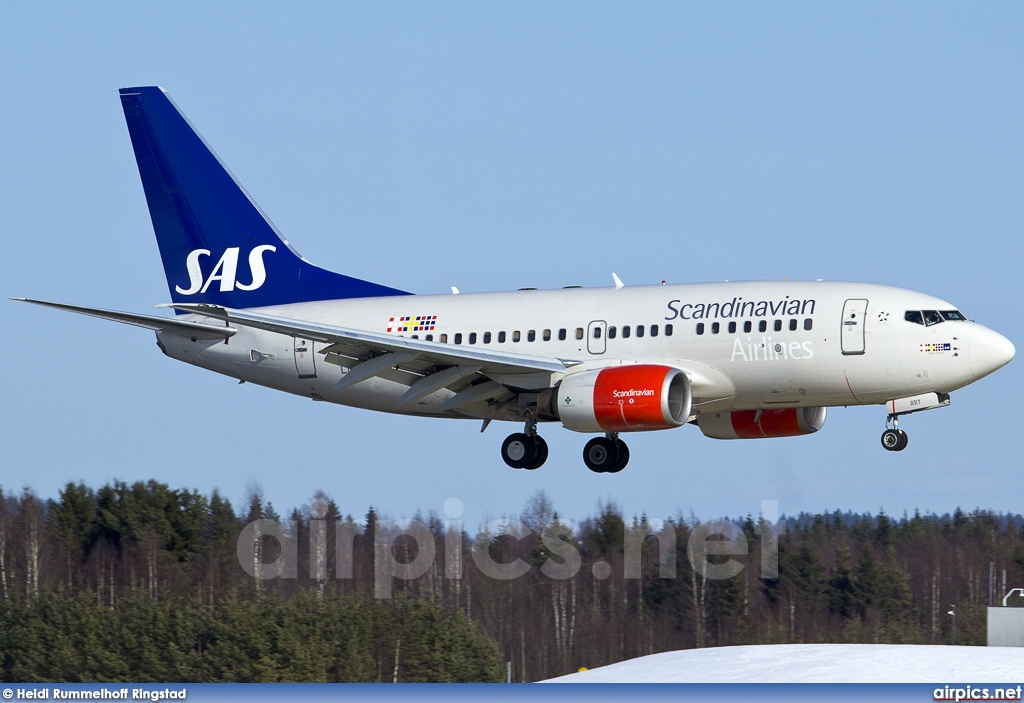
[(639, 331), (654, 330), (808, 324), (668, 330), (913, 316), (700, 328), (547, 335), (458, 337), (415, 336), (762, 326), (778, 325), (732, 328), (443, 339), (792, 325), (625, 331), (579, 333), (953, 315), (515, 336), (561, 335), (531, 336), (472, 337), (611, 333), (501, 337), (487, 337), (747, 326), (931, 317), (430, 338), (715, 327)]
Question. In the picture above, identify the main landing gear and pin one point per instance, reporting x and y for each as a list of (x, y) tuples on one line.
[(894, 439), (526, 449), (606, 455)]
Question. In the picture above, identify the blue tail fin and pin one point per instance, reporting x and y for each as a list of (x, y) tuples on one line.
[(216, 244)]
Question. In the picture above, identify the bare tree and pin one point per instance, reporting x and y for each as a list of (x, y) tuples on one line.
[(317, 511), (4, 527), (538, 513), (32, 528)]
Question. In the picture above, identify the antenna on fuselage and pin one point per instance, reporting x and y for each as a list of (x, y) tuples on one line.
[(618, 281)]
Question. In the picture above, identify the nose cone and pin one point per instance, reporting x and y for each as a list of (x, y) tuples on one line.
[(989, 351)]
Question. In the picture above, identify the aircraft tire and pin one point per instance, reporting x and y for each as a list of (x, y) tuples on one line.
[(542, 454), (891, 440), (904, 441), (600, 455), (519, 450), (622, 457)]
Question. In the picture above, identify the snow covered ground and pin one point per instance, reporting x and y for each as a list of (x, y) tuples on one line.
[(817, 663)]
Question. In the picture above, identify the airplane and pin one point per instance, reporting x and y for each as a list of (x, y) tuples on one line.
[(740, 360)]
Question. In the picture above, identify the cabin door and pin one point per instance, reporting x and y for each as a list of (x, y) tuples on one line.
[(854, 314)]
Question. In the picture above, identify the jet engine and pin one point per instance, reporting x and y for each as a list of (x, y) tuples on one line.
[(630, 398), (756, 424)]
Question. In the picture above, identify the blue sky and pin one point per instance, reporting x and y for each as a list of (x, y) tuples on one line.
[(495, 146)]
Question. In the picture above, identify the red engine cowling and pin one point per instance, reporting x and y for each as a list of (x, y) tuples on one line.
[(757, 424), (630, 398)]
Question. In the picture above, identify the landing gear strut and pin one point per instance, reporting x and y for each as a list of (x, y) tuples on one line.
[(894, 439), (526, 449), (606, 455)]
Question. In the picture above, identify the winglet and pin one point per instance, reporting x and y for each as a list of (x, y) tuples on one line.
[(618, 281)]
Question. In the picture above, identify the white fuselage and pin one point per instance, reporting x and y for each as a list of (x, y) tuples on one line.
[(744, 345)]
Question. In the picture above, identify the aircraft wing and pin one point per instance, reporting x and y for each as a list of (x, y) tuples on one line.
[(151, 322), (362, 346)]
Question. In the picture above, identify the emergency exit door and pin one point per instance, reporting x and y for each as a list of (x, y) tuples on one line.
[(854, 314), (596, 333), (305, 360)]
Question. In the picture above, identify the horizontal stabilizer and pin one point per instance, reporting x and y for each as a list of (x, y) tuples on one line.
[(150, 322)]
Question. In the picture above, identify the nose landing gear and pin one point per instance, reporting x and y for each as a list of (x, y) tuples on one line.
[(526, 449), (894, 439)]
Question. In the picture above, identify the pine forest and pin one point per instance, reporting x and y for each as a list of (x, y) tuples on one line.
[(144, 582)]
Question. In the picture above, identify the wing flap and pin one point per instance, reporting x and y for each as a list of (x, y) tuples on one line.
[(372, 343)]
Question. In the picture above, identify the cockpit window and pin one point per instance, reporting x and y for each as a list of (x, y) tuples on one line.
[(933, 317)]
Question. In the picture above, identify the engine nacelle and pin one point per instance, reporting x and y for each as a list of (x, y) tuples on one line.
[(757, 424), (623, 399)]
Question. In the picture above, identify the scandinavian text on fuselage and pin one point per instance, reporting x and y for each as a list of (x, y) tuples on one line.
[(737, 307)]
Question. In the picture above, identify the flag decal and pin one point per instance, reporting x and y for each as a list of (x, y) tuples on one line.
[(412, 323)]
